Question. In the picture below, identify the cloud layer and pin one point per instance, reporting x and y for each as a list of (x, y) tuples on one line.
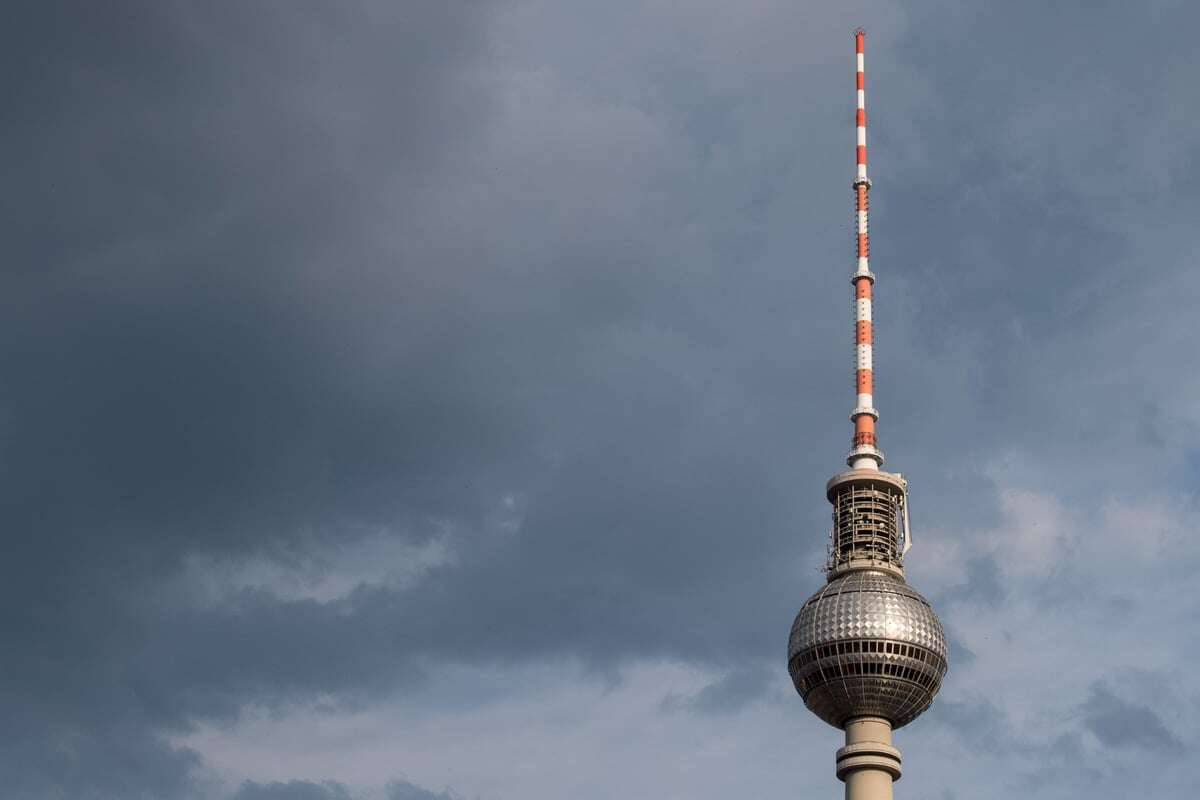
[(433, 400)]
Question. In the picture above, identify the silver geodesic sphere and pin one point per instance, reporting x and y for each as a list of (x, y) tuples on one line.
[(867, 644)]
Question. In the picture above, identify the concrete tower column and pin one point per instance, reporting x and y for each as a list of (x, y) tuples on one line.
[(868, 763)]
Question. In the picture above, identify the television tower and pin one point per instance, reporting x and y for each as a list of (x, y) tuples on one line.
[(867, 652)]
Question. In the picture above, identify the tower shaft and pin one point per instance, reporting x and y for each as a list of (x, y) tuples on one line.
[(869, 764)]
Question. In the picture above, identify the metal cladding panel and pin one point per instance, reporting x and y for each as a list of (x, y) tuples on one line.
[(869, 605), (867, 644)]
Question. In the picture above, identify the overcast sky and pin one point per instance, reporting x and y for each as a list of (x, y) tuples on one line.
[(433, 400)]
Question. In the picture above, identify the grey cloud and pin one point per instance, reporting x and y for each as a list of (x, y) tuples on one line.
[(403, 790), (976, 720), (961, 656), (1038, 759), (69, 755), (729, 694), (1118, 723), (984, 584), (331, 790), (293, 790)]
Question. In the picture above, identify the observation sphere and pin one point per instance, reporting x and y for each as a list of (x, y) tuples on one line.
[(867, 644)]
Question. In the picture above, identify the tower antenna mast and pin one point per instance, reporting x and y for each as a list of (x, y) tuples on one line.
[(864, 450)]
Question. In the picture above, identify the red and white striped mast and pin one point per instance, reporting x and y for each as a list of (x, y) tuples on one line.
[(865, 452)]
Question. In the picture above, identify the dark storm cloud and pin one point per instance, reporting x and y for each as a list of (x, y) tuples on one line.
[(278, 281), (178, 377), (212, 351)]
